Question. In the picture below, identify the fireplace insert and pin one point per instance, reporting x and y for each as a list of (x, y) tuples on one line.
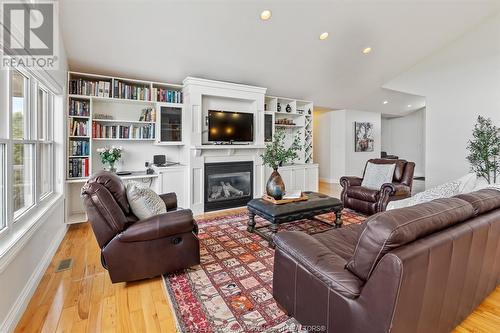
[(228, 185)]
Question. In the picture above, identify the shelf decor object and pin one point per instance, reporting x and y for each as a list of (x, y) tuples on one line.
[(109, 156)]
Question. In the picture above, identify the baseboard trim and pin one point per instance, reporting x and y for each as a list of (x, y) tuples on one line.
[(329, 180), (29, 289)]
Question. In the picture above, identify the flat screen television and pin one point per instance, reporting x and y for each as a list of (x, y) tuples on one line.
[(225, 126)]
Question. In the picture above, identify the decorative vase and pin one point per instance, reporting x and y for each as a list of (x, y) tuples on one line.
[(288, 108), (278, 108), (275, 187), (111, 167)]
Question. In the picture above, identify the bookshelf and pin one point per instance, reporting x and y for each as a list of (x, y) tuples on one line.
[(293, 116), (104, 109)]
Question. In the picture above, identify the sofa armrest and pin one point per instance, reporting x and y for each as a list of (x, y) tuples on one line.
[(396, 189), (324, 264), (350, 181), (160, 226), (170, 200)]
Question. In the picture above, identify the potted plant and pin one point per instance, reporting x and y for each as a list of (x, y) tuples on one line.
[(484, 149), (274, 156), (109, 156)]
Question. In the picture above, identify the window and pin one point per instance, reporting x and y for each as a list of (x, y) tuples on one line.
[(23, 181), (45, 102), (31, 146), (19, 105)]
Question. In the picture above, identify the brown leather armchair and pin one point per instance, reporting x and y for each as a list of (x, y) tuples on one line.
[(368, 201), (133, 249)]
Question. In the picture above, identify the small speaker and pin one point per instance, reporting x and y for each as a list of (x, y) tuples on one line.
[(159, 160)]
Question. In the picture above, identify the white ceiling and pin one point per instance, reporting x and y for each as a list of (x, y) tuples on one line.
[(226, 40)]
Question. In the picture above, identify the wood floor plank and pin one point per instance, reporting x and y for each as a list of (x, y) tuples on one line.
[(83, 299)]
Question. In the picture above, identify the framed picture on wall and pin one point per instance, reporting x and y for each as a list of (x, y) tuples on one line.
[(363, 136)]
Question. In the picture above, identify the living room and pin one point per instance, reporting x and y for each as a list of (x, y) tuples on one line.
[(250, 166)]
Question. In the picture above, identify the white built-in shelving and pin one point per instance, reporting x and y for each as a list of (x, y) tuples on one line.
[(293, 116), (121, 101)]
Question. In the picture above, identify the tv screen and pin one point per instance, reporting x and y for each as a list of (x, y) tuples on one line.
[(226, 126)]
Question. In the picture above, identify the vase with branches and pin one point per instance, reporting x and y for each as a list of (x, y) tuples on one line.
[(484, 149), (276, 155)]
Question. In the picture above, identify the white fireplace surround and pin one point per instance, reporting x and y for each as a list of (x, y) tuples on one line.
[(200, 95)]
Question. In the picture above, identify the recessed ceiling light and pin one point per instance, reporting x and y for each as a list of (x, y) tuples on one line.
[(323, 36), (409, 105), (265, 15), (385, 102), (367, 50)]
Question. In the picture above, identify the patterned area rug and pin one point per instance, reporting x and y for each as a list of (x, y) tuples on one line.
[(231, 290)]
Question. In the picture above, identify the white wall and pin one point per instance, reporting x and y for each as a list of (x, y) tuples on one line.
[(405, 137), (334, 143), (460, 82)]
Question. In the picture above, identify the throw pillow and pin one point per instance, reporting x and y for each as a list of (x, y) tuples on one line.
[(377, 175), (144, 202), (467, 183)]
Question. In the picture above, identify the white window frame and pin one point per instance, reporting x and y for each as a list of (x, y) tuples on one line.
[(31, 137)]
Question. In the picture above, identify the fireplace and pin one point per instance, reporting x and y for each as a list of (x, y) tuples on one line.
[(228, 185)]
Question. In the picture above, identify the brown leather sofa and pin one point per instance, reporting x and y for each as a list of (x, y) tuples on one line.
[(133, 249), (368, 201), (417, 269)]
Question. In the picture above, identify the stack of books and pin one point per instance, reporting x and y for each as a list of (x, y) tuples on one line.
[(77, 127), (79, 108), (165, 95), (89, 87), (78, 148), (78, 167), (100, 131), (129, 91)]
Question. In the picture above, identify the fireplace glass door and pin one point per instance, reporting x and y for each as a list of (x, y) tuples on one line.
[(228, 185)]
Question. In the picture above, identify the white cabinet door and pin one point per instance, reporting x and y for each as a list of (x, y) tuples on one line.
[(311, 179), (286, 175), (175, 181), (299, 174)]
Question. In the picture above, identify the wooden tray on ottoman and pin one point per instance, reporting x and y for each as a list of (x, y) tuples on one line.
[(303, 197)]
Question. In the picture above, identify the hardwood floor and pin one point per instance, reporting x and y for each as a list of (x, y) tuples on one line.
[(83, 299)]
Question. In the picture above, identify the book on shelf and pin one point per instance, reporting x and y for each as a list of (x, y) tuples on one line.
[(148, 114), (130, 91), (134, 131), (167, 95), (79, 108), (78, 148), (89, 87), (77, 127), (78, 167)]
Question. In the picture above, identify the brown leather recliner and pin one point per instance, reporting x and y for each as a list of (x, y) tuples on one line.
[(133, 249), (368, 201), (418, 269)]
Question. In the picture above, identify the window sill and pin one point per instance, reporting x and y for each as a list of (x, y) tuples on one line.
[(13, 240)]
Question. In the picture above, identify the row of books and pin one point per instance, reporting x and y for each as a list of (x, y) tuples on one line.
[(148, 114), (129, 91), (79, 108), (78, 127), (165, 95), (79, 148), (90, 88), (123, 132), (78, 167)]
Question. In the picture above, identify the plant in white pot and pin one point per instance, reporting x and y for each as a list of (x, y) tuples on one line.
[(276, 155), (484, 150)]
